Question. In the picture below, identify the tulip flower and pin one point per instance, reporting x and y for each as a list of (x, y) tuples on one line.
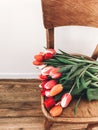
[(42, 85), (54, 73), (52, 51), (66, 99), (50, 84), (48, 56), (46, 70), (56, 111), (35, 62), (39, 57), (56, 90), (49, 102), (43, 77), (45, 92)]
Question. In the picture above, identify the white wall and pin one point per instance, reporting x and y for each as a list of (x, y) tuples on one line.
[(22, 35)]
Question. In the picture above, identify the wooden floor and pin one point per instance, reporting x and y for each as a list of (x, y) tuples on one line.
[(20, 105)]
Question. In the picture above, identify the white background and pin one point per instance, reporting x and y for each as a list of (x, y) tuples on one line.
[(22, 35)]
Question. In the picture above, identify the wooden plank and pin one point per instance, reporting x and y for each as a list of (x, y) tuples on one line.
[(25, 122), (70, 12), (64, 126), (19, 92), (21, 110)]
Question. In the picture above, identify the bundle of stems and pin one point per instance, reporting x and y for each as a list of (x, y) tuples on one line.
[(79, 75)]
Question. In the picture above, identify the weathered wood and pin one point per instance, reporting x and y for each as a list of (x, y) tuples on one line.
[(21, 110), (19, 92), (62, 126), (95, 53), (19, 98), (25, 122), (50, 37), (20, 107), (70, 12)]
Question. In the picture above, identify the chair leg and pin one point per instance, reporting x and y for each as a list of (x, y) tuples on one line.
[(47, 124)]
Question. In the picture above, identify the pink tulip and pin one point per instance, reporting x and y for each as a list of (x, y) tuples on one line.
[(42, 85), (52, 51), (66, 99), (47, 93), (46, 70), (54, 73), (50, 84), (43, 77)]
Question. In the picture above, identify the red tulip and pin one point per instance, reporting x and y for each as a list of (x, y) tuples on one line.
[(54, 73), (43, 77), (66, 99), (49, 102), (42, 91), (39, 57), (48, 56), (46, 70), (35, 62), (50, 84), (45, 92), (42, 85)]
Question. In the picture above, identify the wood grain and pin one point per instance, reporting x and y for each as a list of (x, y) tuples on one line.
[(24, 122), (70, 12), (16, 92), (20, 107), (50, 37)]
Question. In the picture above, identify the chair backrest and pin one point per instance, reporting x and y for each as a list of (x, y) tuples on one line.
[(68, 12)]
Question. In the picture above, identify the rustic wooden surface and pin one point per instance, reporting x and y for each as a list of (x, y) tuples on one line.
[(70, 12), (20, 107)]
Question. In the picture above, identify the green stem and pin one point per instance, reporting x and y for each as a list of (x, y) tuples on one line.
[(72, 87)]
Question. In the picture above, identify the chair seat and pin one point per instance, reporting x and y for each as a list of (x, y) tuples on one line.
[(87, 112)]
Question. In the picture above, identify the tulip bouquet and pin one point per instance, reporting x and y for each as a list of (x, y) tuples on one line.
[(65, 77)]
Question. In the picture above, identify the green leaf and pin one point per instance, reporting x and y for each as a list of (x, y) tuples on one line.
[(92, 94), (65, 68), (76, 73), (83, 83), (76, 106), (65, 61), (77, 91)]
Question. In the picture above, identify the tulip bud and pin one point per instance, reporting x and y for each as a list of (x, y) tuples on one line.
[(54, 73), (47, 93), (46, 70), (43, 77), (42, 85), (66, 99), (35, 62), (49, 102), (39, 57), (48, 56), (56, 111), (56, 90), (50, 84)]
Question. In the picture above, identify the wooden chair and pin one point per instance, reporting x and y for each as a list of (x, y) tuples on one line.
[(71, 12)]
